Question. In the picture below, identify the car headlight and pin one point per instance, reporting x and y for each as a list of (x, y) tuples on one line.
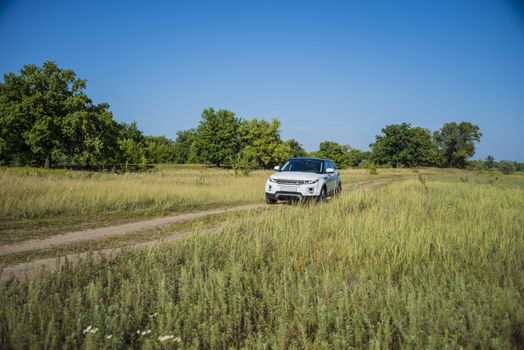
[(312, 181), (272, 180)]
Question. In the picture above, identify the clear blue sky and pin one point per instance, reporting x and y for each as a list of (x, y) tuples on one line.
[(329, 70)]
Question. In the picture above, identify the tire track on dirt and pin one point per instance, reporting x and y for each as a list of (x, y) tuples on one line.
[(115, 230), (31, 268)]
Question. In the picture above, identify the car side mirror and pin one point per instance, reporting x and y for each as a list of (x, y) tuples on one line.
[(330, 170), (277, 168)]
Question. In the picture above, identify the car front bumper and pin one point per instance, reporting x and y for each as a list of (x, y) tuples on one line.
[(277, 191)]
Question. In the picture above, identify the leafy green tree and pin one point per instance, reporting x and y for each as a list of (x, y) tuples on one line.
[(45, 115), (14, 121), (89, 133), (131, 144), (490, 162), (217, 139), (41, 104), (244, 163), (476, 164), (159, 149), (355, 157), (260, 141), (343, 155), (404, 146), (296, 149), (456, 143), (334, 151), (506, 167), (194, 155), (183, 146)]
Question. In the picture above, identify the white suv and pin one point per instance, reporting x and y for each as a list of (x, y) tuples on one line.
[(303, 178)]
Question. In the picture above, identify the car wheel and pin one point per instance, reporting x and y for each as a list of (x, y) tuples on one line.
[(322, 196), (338, 191), (270, 200)]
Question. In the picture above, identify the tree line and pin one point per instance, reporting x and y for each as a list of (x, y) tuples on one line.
[(47, 119)]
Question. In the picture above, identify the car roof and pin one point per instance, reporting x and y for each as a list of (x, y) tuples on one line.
[(307, 158)]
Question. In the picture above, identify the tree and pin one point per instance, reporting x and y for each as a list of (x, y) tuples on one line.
[(476, 164), (183, 143), (131, 144), (404, 146), (490, 162), (89, 133), (355, 157), (506, 167), (217, 139), (343, 155), (14, 121), (41, 106), (456, 143), (296, 149), (260, 142), (45, 115), (159, 149), (334, 151)]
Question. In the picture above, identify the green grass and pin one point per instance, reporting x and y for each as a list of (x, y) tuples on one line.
[(437, 263)]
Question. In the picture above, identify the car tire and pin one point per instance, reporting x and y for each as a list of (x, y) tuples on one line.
[(338, 190), (270, 201), (322, 196)]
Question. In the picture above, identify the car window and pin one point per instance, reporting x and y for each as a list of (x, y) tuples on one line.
[(304, 165)]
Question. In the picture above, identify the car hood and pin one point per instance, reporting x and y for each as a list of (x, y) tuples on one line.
[(296, 175)]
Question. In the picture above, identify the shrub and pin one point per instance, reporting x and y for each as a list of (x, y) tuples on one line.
[(507, 167)]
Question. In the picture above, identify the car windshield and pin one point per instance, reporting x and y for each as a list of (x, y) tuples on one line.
[(304, 165)]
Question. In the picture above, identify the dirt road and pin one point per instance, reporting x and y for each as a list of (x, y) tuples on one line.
[(116, 230), (31, 268)]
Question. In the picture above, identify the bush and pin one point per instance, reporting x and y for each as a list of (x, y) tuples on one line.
[(243, 164), (507, 167), (370, 165)]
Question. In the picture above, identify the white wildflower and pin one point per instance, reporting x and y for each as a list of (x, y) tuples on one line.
[(109, 336), (90, 329), (164, 338)]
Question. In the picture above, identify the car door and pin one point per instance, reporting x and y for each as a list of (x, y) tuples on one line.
[(337, 176), (332, 178)]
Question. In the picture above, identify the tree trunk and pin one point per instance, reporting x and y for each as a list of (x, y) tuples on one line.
[(47, 164)]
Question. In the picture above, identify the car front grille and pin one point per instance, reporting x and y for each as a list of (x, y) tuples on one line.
[(290, 182)]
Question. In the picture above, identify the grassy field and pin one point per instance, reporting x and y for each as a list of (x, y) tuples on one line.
[(434, 262), (49, 200), (32, 194), (37, 202)]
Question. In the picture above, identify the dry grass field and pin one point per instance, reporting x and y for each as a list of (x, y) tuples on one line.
[(38, 202), (433, 261)]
